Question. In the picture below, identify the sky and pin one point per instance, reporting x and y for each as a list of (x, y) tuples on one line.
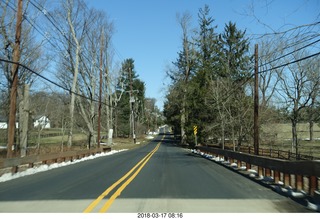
[(148, 32)]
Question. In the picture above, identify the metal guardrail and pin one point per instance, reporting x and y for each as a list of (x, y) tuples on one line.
[(15, 163), (280, 170)]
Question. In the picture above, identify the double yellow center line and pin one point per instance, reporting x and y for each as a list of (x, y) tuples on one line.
[(135, 170)]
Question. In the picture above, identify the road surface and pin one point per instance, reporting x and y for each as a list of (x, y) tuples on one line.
[(158, 177)]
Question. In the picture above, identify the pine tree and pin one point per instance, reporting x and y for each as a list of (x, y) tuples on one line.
[(234, 58), (206, 42), (234, 67), (134, 88)]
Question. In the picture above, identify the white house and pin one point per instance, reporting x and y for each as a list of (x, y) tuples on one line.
[(41, 121)]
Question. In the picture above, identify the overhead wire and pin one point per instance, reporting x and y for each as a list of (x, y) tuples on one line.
[(38, 74), (289, 63), (52, 82), (294, 51), (53, 21)]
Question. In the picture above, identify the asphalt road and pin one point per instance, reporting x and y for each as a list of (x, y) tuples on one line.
[(158, 177)]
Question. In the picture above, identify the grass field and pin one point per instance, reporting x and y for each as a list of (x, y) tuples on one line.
[(279, 136), (52, 141), (284, 131), (274, 136)]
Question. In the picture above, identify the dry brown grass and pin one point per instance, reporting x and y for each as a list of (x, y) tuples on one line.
[(50, 146)]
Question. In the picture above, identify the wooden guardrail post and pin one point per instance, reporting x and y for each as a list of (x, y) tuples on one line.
[(286, 179), (260, 171), (276, 176), (267, 172), (239, 163), (299, 182), (313, 184)]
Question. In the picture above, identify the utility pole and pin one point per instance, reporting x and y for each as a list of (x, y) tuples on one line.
[(131, 101), (100, 92), (256, 102), (14, 86)]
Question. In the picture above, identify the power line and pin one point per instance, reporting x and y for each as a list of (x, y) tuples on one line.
[(54, 22), (289, 30), (260, 72), (52, 82), (296, 50), (289, 63), (42, 33)]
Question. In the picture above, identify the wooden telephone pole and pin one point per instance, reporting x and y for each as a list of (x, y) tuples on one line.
[(14, 86), (256, 103), (131, 102), (100, 89)]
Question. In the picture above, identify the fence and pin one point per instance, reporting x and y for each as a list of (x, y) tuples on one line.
[(280, 154), (291, 173), (273, 153), (16, 163)]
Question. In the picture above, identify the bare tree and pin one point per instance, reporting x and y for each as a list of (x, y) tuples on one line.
[(70, 25), (97, 36), (313, 114), (31, 55), (185, 65), (297, 87)]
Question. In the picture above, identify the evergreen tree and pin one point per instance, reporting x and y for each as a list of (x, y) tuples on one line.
[(234, 58), (234, 66), (206, 42), (134, 88)]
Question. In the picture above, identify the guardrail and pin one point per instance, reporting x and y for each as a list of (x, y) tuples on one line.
[(270, 152), (300, 174), (16, 163)]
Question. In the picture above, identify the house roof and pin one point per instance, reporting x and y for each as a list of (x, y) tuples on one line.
[(39, 116)]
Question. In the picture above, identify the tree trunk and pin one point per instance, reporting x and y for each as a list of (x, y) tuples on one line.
[(222, 134), (311, 130), (63, 128), (294, 136), (183, 121), (233, 138), (108, 112), (24, 120), (240, 137), (88, 118), (75, 79)]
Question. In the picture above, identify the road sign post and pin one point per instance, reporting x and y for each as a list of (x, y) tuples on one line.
[(195, 131)]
